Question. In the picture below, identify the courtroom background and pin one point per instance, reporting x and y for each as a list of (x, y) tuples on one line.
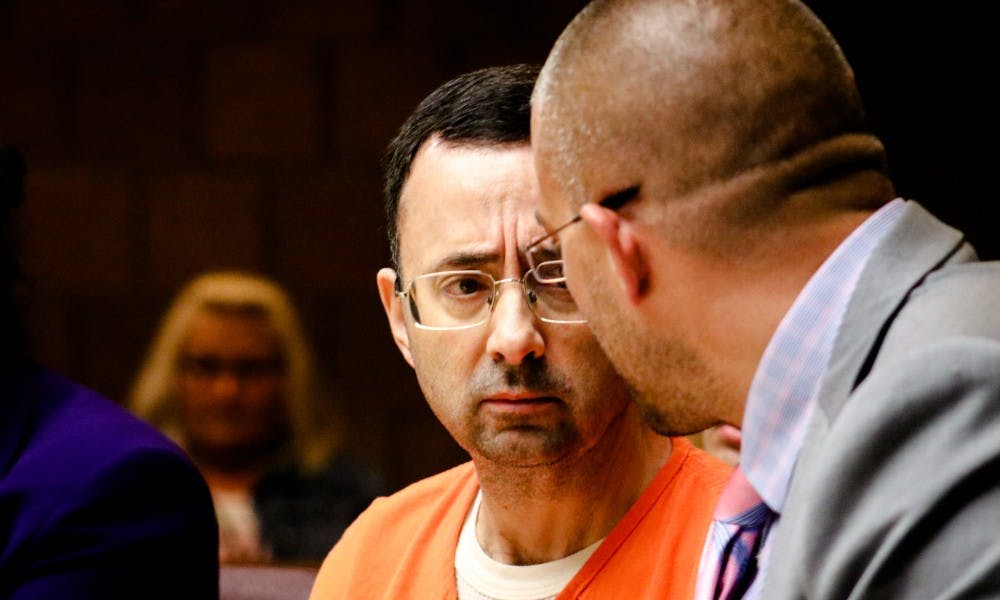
[(167, 137)]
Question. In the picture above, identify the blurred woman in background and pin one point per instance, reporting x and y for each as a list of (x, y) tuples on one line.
[(231, 377)]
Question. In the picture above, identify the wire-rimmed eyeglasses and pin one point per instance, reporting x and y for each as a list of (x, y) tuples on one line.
[(545, 253), (449, 300)]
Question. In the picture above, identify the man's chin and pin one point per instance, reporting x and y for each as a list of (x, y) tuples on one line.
[(525, 447), (658, 419)]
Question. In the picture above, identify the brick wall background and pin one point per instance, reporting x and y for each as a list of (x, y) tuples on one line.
[(167, 137)]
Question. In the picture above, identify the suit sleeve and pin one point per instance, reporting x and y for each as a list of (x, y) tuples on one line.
[(910, 481), (142, 527)]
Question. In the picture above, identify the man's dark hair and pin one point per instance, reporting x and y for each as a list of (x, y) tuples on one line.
[(489, 106), (11, 196)]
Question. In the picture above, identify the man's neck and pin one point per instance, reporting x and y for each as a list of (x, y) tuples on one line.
[(537, 514)]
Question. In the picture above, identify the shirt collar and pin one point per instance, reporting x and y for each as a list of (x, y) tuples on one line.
[(783, 392)]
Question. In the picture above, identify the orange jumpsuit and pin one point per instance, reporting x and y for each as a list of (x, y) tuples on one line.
[(403, 546)]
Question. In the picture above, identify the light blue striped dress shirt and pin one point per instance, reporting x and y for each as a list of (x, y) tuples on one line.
[(784, 389)]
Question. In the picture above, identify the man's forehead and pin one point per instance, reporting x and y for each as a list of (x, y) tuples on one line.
[(554, 200), (448, 179), (463, 203), (563, 156)]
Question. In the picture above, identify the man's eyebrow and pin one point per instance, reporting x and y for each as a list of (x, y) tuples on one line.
[(465, 260), (541, 220), (616, 200)]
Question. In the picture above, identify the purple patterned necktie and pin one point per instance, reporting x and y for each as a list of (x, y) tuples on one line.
[(739, 526)]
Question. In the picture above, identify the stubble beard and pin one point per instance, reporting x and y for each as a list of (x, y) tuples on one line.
[(513, 441), (523, 446), (674, 388)]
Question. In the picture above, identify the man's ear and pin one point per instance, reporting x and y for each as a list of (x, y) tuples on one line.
[(621, 241), (386, 280)]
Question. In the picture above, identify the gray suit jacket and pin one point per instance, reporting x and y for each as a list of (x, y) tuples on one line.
[(895, 494)]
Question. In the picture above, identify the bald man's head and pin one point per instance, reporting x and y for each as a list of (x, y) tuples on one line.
[(679, 95)]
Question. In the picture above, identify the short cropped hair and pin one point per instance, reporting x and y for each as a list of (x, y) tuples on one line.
[(490, 106), (314, 435)]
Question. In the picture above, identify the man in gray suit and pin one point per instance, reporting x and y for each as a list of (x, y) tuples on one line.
[(729, 230)]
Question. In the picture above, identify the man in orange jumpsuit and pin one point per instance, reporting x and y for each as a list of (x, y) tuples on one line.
[(568, 494)]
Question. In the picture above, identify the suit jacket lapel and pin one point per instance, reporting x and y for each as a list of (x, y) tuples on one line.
[(915, 246)]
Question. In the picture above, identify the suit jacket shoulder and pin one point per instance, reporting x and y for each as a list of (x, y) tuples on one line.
[(892, 486), (959, 300), (95, 503)]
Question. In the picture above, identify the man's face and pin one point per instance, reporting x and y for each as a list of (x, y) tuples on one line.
[(514, 390), (657, 352)]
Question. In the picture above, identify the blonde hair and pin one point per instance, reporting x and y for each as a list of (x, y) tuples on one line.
[(315, 434)]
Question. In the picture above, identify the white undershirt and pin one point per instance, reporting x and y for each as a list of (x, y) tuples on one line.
[(239, 529), (479, 577)]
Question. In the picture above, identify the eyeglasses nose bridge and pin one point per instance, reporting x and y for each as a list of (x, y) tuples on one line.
[(522, 281)]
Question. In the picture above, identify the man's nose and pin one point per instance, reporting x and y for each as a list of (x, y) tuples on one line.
[(514, 334)]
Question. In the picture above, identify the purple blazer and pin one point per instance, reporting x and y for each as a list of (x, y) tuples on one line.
[(94, 503)]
